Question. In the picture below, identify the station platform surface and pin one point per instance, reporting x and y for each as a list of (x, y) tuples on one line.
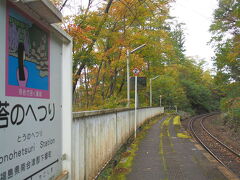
[(167, 152)]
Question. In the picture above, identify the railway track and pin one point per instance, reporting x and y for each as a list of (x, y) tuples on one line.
[(220, 151)]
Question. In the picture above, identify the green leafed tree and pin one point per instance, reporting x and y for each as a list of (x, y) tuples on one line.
[(226, 40)]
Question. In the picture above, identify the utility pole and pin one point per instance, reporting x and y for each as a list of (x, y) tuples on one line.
[(150, 92), (150, 84), (128, 81), (160, 100)]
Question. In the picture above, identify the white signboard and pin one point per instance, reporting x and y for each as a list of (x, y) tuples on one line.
[(30, 113)]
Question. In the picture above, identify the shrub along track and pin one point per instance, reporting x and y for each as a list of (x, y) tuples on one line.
[(221, 152)]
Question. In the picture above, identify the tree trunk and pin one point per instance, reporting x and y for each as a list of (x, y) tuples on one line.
[(97, 82), (90, 47)]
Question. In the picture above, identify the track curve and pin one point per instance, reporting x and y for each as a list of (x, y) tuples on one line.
[(219, 150)]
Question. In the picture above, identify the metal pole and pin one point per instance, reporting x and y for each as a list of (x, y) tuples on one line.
[(150, 92), (160, 100), (128, 82), (151, 89), (135, 119), (139, 47)]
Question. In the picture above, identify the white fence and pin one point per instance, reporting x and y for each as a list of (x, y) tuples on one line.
[(97, 135)]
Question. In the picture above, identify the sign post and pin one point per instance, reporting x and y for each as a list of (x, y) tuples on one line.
[(135, 72)]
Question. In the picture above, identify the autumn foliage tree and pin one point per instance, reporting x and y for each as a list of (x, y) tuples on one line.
[(226, 40), (101, 37)]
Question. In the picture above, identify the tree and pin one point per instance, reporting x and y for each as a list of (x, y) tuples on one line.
[(100, 44), (100, 40), (226, 39), (178, 38)]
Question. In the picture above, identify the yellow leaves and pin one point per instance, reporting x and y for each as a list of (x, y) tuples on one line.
[(78, 33), (89, 28), (128, 24), (172, 70), (57, 3), (234, 53), (118, 10), (111, 51), (233, 102)]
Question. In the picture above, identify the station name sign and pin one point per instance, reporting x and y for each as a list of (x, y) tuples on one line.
[(30, 116)]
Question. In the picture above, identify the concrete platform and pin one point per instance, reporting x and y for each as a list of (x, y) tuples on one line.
[(168, 152)]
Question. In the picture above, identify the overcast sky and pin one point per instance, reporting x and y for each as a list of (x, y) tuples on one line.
[(197, 15)]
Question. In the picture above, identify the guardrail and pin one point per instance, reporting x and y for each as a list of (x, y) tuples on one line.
[(97, 135)]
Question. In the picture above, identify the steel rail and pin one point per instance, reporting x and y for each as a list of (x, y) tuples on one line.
[(192, 131), (216, 139)]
